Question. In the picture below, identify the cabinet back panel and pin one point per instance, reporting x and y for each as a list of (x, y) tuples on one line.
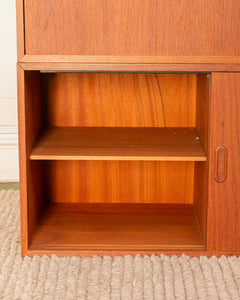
[(119, 100), (119, 181), (146, 27)]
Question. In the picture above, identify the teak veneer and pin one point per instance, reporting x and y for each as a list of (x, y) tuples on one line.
[(90, 143), (117, 226), (129, 127)]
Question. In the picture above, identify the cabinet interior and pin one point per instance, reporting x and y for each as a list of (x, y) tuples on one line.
[(120, 160)]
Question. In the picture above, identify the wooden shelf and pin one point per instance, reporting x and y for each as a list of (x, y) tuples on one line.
[(88, 143), (66, 226)]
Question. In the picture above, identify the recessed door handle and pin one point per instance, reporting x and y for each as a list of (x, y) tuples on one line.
[(221, 162)]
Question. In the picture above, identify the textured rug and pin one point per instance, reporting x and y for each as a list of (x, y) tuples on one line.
[(127, 277)]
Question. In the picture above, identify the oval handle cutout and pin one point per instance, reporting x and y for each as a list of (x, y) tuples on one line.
[(221, 164)]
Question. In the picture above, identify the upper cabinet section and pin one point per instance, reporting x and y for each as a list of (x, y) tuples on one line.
[(132, 27)]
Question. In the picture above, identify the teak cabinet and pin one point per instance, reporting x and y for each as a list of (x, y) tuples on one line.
[(129, 126)]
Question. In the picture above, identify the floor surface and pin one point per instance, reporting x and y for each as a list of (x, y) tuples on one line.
[(9, 185), (121, 277)]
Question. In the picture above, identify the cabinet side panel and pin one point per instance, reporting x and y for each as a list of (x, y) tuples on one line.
[(146, 27), (119, 100), (22, 158), (118, 181), (29, 113), (224, 197)]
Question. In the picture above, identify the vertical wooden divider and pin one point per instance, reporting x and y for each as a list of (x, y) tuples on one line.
[(201, 168), (29, 114)]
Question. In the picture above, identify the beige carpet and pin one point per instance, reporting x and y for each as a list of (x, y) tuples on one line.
[(148, 277)]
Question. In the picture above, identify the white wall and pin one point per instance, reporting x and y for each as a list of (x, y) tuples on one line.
[(8, 93)]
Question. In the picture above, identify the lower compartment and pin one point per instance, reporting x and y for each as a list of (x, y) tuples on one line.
[(116, 206), (132, 227)]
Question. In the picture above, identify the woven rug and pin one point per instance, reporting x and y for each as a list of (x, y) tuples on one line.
[(126, 277)]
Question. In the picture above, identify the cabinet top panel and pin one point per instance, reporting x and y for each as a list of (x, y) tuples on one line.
[(132, 27)]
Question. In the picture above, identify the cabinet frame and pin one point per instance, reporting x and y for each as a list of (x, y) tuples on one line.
[(225, 79)]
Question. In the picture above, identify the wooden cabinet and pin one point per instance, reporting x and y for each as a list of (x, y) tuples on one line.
[(128, 129)]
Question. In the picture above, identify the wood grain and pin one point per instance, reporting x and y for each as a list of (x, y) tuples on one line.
[(112, 227), (20, 22), (22, 159), (119, 100), (223, 198), (29, 115), (202, 108), (201, 169), (90, 143), (152, 28), (134, 67), (118, 181), (128, 60), (33, 126)]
